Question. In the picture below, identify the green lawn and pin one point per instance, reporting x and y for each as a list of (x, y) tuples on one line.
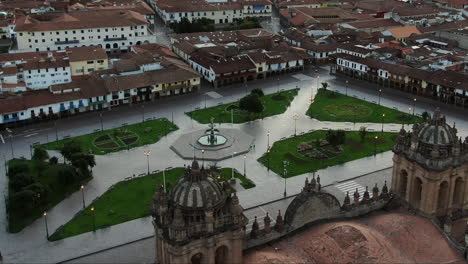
[(273, 104), (128, 200), (121, 138), (333, 106), (56, 192), (286, 150)]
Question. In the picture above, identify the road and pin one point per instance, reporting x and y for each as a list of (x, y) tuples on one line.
[(114, 167)]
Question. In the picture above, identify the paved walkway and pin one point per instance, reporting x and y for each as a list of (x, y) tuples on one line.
[(114, 167)]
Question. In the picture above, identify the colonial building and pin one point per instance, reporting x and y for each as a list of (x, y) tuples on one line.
[(115, 30), (86, 60), (221, 12), (431, 167), (198, 221)]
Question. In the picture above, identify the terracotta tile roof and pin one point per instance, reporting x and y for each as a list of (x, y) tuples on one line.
[(35, 98), (295, 3), (413, 10), (403, 32), (86, 53), (46, 63), (139, 7), (80, 20), (376, 23), (155, 50), (222, 65)]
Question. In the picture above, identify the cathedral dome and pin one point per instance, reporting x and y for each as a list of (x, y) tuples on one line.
[(198, 190), (437, 132)]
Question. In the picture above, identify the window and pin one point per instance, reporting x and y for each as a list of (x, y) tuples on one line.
[(107, 30), (90, 62), (21, 34), (142, 27), (82, 31), (57, 32), (42, 34), (74, 32)]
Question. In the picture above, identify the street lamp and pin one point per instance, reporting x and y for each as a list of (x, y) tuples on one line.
[(31, 150), (414, 105), (285, 163), (318, 78), (100, 118), (164, 179), (147, 154), (143, 113), (46, 226), (277, 85), (11, 146), (205, 100), (268, 156), (383, 116), (245, 89), (380, 93), (56, 132), (203, 157), (94, 219), (82, 196), (268, 139), (232, 169), (346, 87), (295, 118), (375, 145), (245, 157)]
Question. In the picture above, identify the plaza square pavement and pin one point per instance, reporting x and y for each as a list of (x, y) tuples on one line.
[(30, 245)]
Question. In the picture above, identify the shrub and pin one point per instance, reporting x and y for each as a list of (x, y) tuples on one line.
[(40, 154), (21, 200), (362, 133), (251, 103), (53, 160), (258, 92), (20, 180), (18, 168)]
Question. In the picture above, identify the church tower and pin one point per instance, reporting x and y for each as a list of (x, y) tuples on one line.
[(198, 221), (430, 168)]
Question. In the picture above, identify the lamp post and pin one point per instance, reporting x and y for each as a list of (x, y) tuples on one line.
[(100, 118), (203, 157), (346, 87), (82, 196), (409, 110), (164, 179), (245, 86), (318, 78), (414, 105), (31, 150), (46, 226), (383, 116), (268, 160), (147, 154), (277, 85), (285, 163), (245, 157), (56, 132), (375, 145), (295, 118), (205, 101), (143, 113), (11, 146), (232, 169), (94, 219), (380, 93), (268, 139)]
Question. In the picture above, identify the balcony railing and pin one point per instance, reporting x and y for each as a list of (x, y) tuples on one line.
[(67, 42), (115, 39)]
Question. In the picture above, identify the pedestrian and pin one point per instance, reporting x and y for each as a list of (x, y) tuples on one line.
[(254, 146)]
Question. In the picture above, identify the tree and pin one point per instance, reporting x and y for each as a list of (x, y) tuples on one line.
[(251, 103), (336, 137), (324, 85), (66, 176), (53, 160), (425, 115), (258, 92), (70, 148), (40, 154), (82, 162), (362, 133)]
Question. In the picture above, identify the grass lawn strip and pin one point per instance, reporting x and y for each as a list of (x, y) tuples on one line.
[(286, 150), (222, 114), (128, 200), (18, 219), (158, 128), (336, 107)]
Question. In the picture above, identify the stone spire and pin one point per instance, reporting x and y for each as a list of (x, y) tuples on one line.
[(279, 226), (255, 229), (384, 193), (313, 182), (366, 196), (266, 223), (347, 202), (375, 193), (356, 197)]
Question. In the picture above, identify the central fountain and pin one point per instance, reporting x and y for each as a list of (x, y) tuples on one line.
[(212, 137), (213, 144)]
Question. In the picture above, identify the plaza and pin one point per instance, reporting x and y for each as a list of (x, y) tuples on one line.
[(114, 167)]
